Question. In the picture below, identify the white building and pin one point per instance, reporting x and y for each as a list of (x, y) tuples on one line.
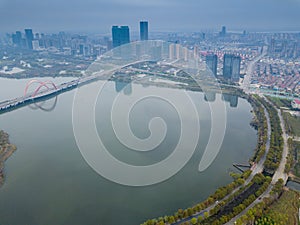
[(35, 45)]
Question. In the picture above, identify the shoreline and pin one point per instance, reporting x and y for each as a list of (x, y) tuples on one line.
[(6, 150)]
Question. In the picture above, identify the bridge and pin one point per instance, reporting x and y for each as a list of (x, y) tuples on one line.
[(47, 89), (50, 90)]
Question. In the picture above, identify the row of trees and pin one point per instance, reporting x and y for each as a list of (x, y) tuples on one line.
[(256, 215), (218, 195), (272, 162), (260, 123), (276, 142), (215, 218), (291, 156)]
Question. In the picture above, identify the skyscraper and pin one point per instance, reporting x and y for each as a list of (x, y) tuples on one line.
[(16, 38), (120, 35), (272, 46), (144, 30), (223, 32), (29, 37), (231, 67), (227, 66), (236, 68), (212, 63)]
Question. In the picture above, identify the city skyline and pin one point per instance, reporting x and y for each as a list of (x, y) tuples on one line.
[(98, 16)]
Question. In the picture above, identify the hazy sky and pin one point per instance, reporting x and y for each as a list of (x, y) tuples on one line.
[(163, 15)]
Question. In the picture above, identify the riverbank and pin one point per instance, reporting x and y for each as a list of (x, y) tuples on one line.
[(6, 150)]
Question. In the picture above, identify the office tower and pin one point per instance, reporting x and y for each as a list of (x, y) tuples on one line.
[(144, 30), (295, 50), (231, 67), (81, 49), (223, 32), (236, 68), (29, 37), (16, 38), (212, 63), (272, 46), (120, 35), (227, 66), (284, 49)]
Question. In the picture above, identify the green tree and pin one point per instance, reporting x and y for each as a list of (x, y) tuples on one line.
[(194, 221)]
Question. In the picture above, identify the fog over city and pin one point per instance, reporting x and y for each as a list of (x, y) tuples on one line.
[(165, 15)]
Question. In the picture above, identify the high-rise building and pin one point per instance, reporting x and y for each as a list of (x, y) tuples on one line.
[(272, 46), (172, 51), (295, 50), (212, 63), (227, 66), (236, 68), (144, 30), (29, 37), (231, 67), (16, 38), (223, 32), (120, 35)]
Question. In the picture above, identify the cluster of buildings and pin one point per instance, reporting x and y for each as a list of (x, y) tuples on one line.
[(77, 45), (227, 54), (121, 34), (231, 66), (66, 44), (284, 46), (27, 41), (277, 75)]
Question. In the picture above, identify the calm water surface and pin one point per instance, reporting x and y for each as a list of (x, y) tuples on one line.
[(49, 182)]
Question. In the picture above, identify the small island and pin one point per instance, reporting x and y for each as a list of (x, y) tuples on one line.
[(6, 150)]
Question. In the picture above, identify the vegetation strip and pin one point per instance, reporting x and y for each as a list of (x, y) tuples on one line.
[(6, 150)]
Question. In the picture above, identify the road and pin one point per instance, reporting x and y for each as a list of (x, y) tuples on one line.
[(95, 74), (257, 168), (250, 68), (279, 173)]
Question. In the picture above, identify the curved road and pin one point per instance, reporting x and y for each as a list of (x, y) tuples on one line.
[(256, 168), (279, 174), (250, 68)]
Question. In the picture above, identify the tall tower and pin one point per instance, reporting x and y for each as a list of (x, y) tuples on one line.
[(272, 46), (212, 63), (144, 30), (223, 32), (120, 35), (227, 66), (29, 38), (236, 68), (232, 67)]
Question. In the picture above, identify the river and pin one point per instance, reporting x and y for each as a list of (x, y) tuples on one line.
[(49, 182)]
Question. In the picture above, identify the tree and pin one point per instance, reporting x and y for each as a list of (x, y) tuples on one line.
[(194, 221), (171, 219), (206, 215)]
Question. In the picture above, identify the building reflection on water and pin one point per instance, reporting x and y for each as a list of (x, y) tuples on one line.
[(126, 87), (232, 99)]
